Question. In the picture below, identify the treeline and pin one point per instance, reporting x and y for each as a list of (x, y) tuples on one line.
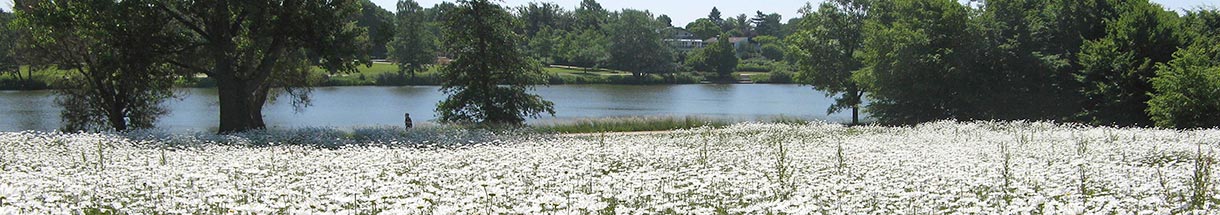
[(1100, 62), (120, 59), (591, 36)]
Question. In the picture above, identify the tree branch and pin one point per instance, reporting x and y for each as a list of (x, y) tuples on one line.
[(182, 19), (192, 68)]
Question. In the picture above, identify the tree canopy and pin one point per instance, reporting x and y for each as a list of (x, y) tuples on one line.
[(636, 46), (413, 46), (825, 51), (251, 47), (1186, 88), (489, 76), (117, 54)]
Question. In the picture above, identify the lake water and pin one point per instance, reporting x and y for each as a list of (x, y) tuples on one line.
[(346, 107)]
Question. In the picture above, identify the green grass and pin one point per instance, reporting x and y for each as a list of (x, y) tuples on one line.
[(657, 123), (630, 124), (44, 79)]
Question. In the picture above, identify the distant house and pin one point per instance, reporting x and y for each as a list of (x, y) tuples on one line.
[(678, 33), (681, 40), (685, 45)]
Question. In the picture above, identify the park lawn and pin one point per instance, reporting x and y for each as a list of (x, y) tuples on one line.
[(42, 79)]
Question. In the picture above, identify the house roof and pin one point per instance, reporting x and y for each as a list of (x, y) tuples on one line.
[(731, 39)]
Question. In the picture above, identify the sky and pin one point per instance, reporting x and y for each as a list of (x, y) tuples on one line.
[(685, 11)]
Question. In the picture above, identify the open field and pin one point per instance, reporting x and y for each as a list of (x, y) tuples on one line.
[(935, 168)]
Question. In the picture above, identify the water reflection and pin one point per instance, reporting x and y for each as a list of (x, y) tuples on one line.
[(197, 109)]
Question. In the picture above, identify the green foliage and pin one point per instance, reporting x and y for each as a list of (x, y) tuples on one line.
[(489, 77), (538, 17), (703, 28), (916, 56), (1118, 67), (665, 21), (738, 26), (269, 45), (380, 25), (586, 48), (413, 46), (1187, 88), (591, 15), (773, 77), (825, 49), (767, 24), (1033, 80), (636, 46), (545, 45), (117, 51), (719, 57), (1187, 91), (8, 45), (773, 52)]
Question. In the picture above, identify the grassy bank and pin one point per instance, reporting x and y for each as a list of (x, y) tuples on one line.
[(750, 168), (629, 124), (655, 123)]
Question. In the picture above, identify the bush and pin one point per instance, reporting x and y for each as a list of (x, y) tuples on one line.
[(754, 65), (1185, 95), (393, 79)]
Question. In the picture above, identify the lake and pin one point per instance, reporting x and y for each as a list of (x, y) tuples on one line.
[(345, 107)]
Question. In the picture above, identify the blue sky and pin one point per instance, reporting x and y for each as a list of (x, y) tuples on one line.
[(685, 11)]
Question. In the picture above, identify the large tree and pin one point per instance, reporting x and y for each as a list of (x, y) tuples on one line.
[(1007, 32), (1186, 87), (250, 47), (714, 16), (585, 48), (413, 46), (825, 48), (767, 24), (488, 80), (539, 16), (719, 57), (8, 46), (380, 25), (703, 29), (1117, 69), (591, 15), (916, 56), (665, 20), (116, 52), (636, 46)]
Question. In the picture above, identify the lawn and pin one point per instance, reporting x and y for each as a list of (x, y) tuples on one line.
[(749, 168)]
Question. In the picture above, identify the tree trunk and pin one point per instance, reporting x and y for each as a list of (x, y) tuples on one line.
[(116, 117), (855, 106), (241, 106), (855, 114)]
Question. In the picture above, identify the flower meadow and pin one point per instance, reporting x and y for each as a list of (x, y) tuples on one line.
[(747, 168)]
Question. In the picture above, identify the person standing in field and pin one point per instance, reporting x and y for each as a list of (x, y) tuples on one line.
[(407, 122)]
